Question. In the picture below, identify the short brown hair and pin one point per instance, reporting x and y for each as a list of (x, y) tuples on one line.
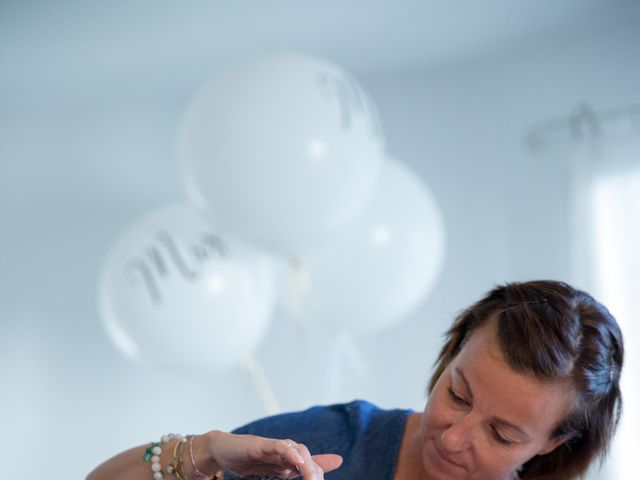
[(554, 332)]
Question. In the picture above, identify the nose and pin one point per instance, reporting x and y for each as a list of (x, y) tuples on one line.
[(458, 436)]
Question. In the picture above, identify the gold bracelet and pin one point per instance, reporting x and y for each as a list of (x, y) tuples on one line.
[(177, 462)]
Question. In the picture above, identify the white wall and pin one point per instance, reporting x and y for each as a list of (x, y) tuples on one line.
[(71, 180), (463, 128)]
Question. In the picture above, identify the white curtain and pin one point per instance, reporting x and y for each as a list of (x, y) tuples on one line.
[(604, 234)]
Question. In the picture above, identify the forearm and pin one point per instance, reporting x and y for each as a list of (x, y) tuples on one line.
[(215, 451), (130, 464)]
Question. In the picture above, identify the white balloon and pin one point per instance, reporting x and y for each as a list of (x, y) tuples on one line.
[(377, 269), (175, 293), (282, 150)]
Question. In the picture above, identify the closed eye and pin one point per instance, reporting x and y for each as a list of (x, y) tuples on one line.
[(456, 398), (499, 438)]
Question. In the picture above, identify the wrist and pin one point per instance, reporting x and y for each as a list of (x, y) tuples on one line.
[(203, 449)]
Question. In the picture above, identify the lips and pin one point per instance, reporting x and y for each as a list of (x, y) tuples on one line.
[(446, 459)]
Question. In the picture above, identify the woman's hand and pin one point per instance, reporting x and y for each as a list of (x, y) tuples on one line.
[(253, 455)]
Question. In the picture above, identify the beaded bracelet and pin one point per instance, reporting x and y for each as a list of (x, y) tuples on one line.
[(153, 453)]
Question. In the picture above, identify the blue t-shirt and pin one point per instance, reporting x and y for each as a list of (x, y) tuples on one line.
[(367, 437)]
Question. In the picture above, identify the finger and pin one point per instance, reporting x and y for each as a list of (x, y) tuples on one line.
[(288, 453), (270, 471), (328, 461), (309, 470)]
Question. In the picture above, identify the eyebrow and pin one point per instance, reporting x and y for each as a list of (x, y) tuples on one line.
[(494, 419)]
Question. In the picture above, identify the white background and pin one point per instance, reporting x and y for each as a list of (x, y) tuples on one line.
[(90, 100)]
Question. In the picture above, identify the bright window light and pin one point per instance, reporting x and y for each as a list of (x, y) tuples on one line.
[(617, 242)]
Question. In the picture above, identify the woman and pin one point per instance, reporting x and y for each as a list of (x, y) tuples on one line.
[(526, 387)]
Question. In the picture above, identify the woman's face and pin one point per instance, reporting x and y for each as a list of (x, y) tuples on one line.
[(483, 420)]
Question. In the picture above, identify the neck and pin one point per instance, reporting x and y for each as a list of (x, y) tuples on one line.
[(410, 466)]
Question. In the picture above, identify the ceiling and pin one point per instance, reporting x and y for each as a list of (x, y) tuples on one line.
[(79, 51)]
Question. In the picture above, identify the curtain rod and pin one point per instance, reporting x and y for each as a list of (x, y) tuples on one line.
[(584, 117)]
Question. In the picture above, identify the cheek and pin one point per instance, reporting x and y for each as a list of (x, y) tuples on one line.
[(437, 414), (498, 463)]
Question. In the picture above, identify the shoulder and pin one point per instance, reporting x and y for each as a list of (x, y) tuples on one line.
[(343, 415), (328, 426)]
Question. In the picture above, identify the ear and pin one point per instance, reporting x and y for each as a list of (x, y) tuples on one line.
[(554, 443)]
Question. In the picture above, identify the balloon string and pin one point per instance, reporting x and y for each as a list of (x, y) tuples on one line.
[(261, 381), (301, 286), (334, 373), (342, 349)]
